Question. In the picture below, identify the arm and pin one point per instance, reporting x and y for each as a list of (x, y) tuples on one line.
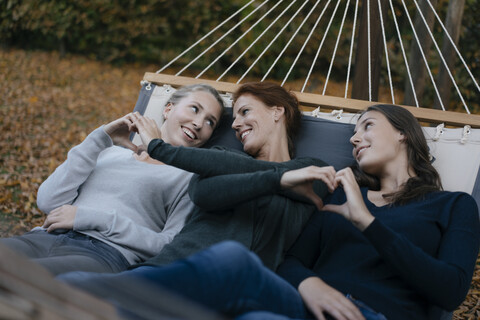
[(222, 192), (206, 162), (125, 232), (444, 280), (61, 187), (227, 191)]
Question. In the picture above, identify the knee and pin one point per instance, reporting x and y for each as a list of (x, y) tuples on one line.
[(76, 278), (229, 258), (233, 252)]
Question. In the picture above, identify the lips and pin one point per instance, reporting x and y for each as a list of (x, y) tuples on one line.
[(360, 150), (245, 133), (189, 133)]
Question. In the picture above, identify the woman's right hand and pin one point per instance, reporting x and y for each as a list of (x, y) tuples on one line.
[(301, 181), (319, 297), (119, 131)]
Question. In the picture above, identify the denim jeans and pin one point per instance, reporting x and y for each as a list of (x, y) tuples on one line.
[(65, 252), (226, 278)]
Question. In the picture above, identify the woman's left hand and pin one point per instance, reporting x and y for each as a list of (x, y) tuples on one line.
[(301, 181), (60, 218), (147, 128), (354, 209)]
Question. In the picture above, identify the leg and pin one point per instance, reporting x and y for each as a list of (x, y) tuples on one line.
[(33, 244), (67, 263), (65, 252), (226, 277)]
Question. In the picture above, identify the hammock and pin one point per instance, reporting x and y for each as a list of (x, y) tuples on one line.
[(447, 144), (328, 122), (455, 150)]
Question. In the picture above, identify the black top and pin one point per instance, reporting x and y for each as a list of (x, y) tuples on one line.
[(411, 257)]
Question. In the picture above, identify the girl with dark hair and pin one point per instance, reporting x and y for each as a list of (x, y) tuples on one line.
[(392, 251)]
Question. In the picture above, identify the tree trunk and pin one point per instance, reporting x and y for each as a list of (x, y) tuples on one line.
[(453, 25), (416, 63)]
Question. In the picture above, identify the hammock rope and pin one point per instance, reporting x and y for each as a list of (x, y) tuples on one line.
[(321, 45), (453, 44), (220, 39), (335, 49), (305, 42), (286, 17), (403, 53), (273, 40), (352, 42), (444, 62), (290, 40), (369, 47), (203, 38), (386, 51), (258, 38), (423, 55)]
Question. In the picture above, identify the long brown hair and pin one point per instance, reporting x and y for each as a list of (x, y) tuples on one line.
[(427, 179), (272, 94)]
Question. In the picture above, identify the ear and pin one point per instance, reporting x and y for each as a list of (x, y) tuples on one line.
[(402, 137), (278, 112), (167, 110)]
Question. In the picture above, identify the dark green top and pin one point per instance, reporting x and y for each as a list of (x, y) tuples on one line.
[(238, 198)]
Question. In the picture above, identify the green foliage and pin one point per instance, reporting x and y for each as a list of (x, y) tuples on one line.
[(118, 31)]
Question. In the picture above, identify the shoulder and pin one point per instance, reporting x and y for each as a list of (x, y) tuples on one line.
[(228, 150), (452, 197), (307, 161)]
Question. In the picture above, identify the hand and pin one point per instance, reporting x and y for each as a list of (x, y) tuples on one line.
[(319, 297), (301, 181), (147, 128), (354, 209), (60, 218), (119, 130)]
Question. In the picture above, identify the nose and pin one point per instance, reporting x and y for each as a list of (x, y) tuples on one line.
[(197, 123), (355, 139), (236, 124)]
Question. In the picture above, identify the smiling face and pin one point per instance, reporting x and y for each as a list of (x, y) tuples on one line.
[(190, 122), (377, 145), (255, 124)]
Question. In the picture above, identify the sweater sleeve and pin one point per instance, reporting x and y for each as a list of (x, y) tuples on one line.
[(222, 192), (61, 187), (128, 233), (300, 259), (444, 280), (205, 162), (216, 193)]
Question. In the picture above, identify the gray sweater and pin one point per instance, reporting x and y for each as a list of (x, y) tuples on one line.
[(135, 207)]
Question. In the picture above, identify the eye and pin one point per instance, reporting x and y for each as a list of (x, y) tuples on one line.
[(194, 108), (368, 125), (245, 111), (211, 123)]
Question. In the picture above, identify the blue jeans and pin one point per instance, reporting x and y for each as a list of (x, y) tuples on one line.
[(226, 277), (66, 252)]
